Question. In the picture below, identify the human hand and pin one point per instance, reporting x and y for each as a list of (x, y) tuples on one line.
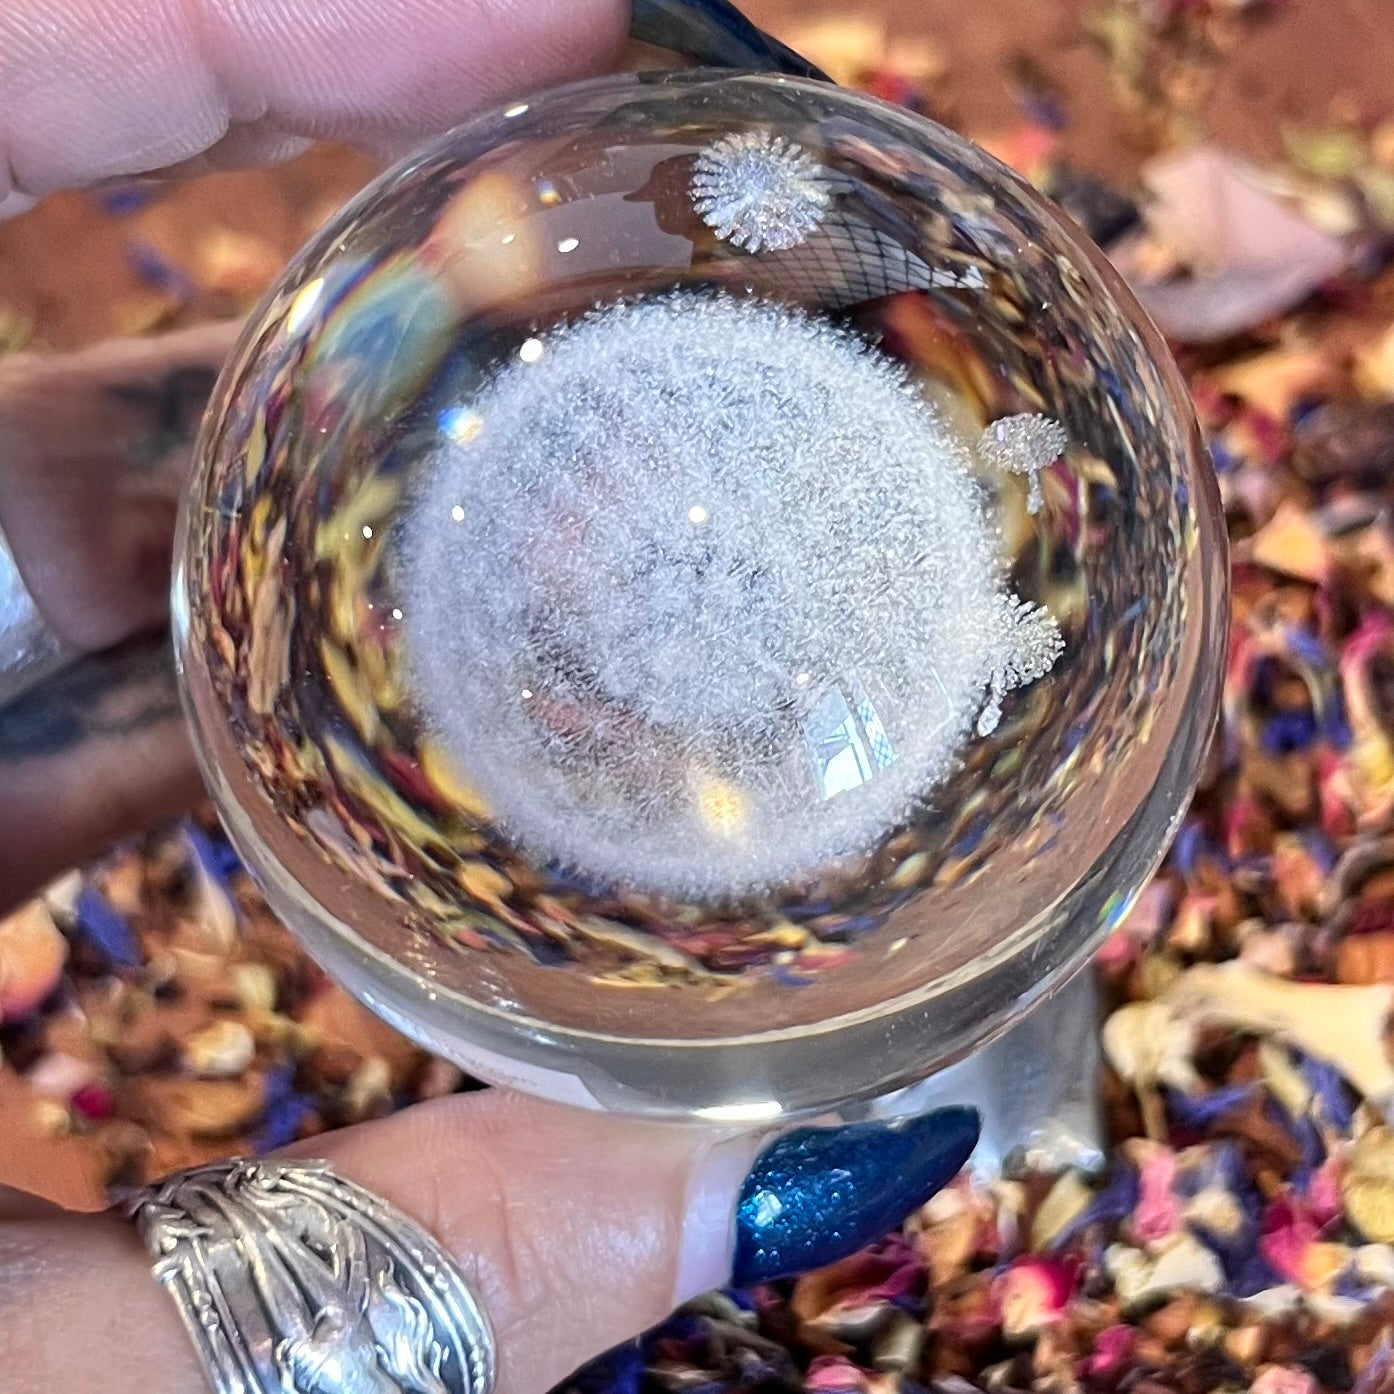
[(576, 1230)]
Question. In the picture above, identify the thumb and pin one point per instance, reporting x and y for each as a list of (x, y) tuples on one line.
[(579, 1230)]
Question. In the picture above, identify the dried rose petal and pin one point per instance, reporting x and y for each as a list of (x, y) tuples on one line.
[(93, 1102), (1112, 1347), (834, 1374), (1158, 1213), (1033, 1292), (1288, 1234)]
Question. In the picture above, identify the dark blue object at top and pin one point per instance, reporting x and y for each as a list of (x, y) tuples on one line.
[(717, 35)]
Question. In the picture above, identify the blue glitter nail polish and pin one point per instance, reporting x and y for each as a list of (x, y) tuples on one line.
[(819, 1194)]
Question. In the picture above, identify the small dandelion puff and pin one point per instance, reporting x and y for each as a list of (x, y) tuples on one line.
[(1027, 643), (1025, 444), (757, 191)]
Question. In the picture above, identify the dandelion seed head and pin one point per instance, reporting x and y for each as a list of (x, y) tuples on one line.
[(760, 191), (1024, 444)]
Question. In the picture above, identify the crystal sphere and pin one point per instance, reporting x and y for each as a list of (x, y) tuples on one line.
[(700, 594)]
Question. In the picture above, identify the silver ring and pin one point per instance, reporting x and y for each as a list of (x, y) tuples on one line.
[(29, 650), (290, 1278)]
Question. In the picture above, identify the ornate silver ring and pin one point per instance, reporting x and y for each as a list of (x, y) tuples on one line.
[(29, 650), (290, 1278)]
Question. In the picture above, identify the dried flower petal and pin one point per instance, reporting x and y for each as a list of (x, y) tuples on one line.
[(1344, 1025), (99, 923), (1032, 1293), (220, 1051), (1184, 1265), (1158, 1213), (32, 954), (1367, 1187)]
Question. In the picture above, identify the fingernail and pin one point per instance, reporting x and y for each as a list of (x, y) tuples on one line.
[(819, 1194), (759, 1209)]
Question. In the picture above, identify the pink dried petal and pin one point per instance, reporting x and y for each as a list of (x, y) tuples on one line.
[(1286, 1235), (1117, 952), (1158, 1213), (1033, 1292), (1151, 912), (1247, 828), (1112, 1347), (1336, 796), (94, 1102), (59, 1076), (1324, 1191), (837, 1294), (833, 1374), (1268, 435)]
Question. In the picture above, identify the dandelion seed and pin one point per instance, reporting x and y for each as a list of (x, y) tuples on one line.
[(1028, 641), (1024, 444), (757, 191)]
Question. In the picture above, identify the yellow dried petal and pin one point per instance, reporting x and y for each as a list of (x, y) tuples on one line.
[(447, 781), (1292, 545), (347, 685), (1066, 1200), (1367, 1188), (369, 787), (483, 882)]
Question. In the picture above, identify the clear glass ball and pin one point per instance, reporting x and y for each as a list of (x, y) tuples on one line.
[(701, 594)]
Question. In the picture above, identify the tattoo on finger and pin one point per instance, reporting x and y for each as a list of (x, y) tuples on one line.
[(104, 696)]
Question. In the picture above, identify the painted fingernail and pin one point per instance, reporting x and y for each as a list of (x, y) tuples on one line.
[(819, 1194)]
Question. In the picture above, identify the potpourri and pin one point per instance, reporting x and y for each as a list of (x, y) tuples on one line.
[(153, 1015)]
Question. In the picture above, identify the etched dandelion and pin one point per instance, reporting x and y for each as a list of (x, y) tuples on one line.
[(760, 191), (1024, 444), (1027, 641)]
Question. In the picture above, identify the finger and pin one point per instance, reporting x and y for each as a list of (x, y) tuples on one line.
[(590, 1228), (576, 1231), (98, 752), (94, 448), (95, 88), (19, 1205)]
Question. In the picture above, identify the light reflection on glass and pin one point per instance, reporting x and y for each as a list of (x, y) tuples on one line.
[(460, 424), (303, 306), (846, 739)]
